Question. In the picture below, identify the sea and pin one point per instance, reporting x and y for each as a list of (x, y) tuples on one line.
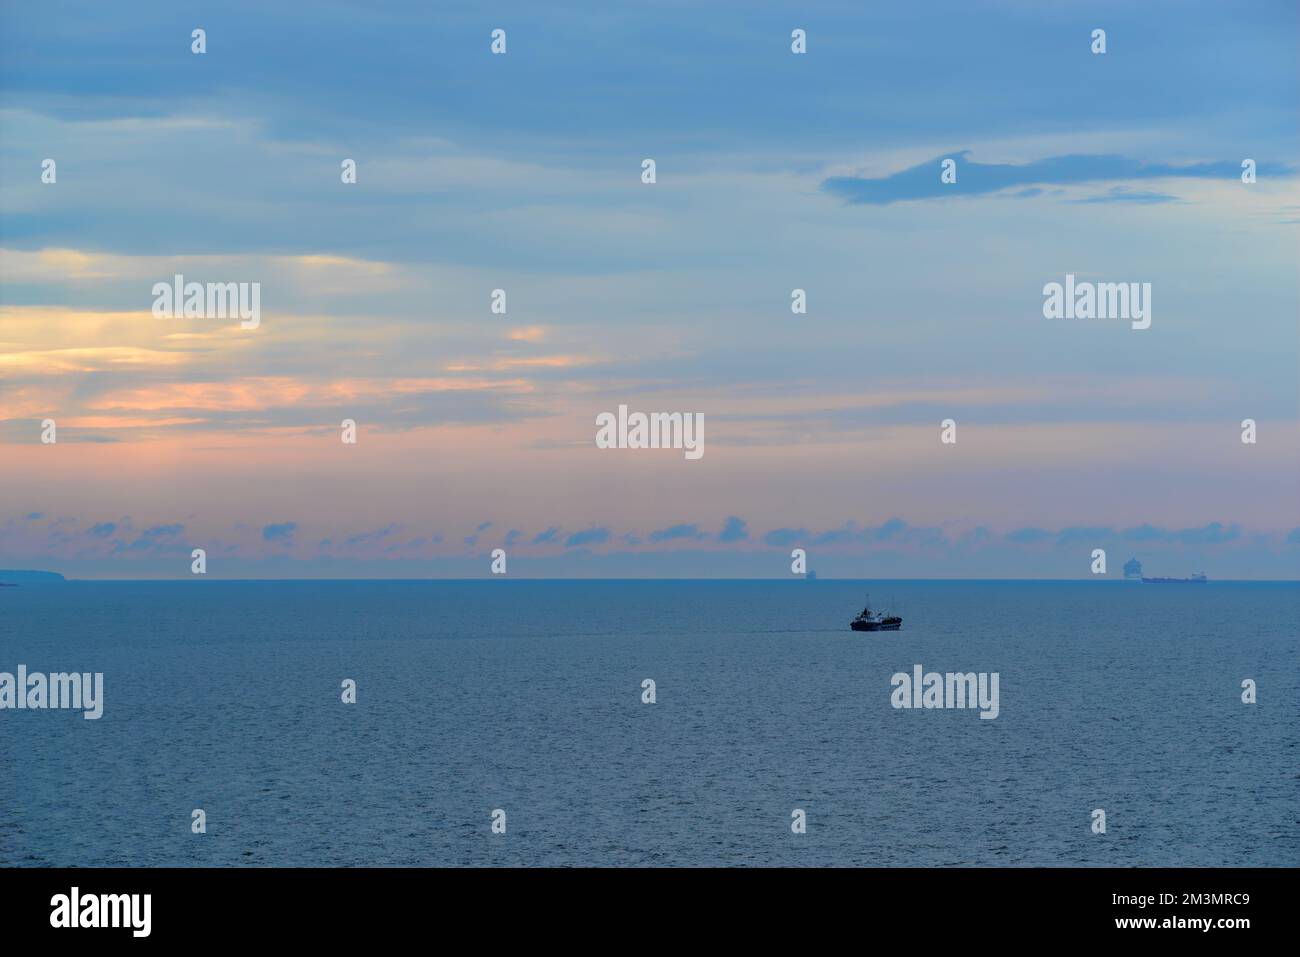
[(771, 738)]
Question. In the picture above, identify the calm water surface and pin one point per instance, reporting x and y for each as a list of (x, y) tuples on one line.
[(526, 696)]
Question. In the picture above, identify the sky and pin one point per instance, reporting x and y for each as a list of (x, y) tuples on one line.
[(775, 171)]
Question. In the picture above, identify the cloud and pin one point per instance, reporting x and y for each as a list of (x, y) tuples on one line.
[(837, 536), (279, 532), (1214, 533), (979, 179), (922, 535), (363, 538), (512, 536), (1121, 194), (785, 536), (1142, 533), (894, 548), (677, 532), (548, 536), (891, 528), (734, 530), (1074, 534), (894, 531), (592, 536), (157, 539), (527, 334), (1028, 536), (472, 540), (162, 531)]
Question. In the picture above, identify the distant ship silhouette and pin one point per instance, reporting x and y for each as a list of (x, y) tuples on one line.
[(1133, 573)]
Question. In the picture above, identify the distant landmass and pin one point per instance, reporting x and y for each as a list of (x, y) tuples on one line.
[(9, 576)]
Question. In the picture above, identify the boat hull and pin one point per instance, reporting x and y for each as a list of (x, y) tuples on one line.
[(876, 625)]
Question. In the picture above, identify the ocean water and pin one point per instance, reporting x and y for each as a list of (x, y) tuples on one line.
[(526, 696)]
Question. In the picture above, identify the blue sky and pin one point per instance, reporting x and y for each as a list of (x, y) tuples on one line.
[(775, 172)]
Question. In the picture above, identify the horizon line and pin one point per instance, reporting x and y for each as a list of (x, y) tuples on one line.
[(790, 580)]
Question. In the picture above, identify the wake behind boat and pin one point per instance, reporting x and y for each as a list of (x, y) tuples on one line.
[(875, 621)]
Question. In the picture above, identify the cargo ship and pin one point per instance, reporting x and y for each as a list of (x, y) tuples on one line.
[(1133, 573)]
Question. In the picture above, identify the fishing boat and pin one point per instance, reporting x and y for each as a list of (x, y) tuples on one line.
[(870, 620)]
